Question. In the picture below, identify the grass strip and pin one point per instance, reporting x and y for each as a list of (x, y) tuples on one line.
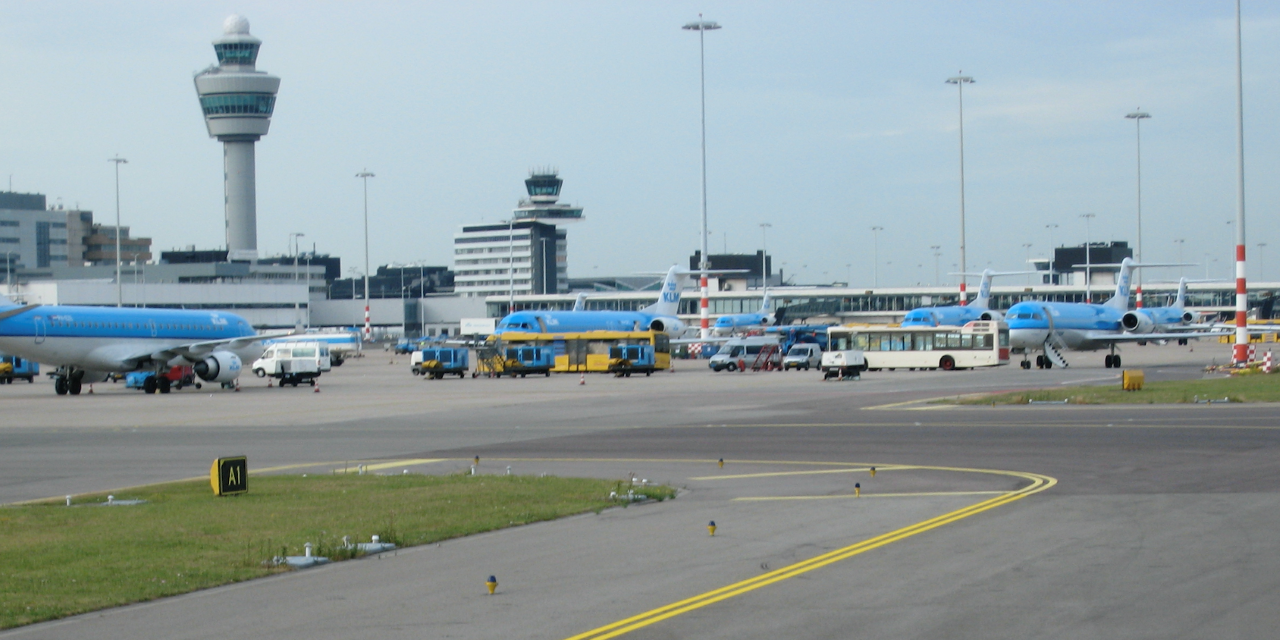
[(61, 561), (1240, 388)]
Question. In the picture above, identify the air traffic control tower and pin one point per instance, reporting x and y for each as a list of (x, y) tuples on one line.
[(237, 101)]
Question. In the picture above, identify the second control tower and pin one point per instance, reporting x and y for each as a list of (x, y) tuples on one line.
[(237, 101)]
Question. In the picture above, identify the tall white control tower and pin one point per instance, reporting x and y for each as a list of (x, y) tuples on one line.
[(237, 101)]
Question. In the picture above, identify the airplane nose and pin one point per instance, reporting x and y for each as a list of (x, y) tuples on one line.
[(1027, 338)]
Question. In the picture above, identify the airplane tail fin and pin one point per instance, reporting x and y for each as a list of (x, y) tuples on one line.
[(1120, 300), (983, 299), (767, 305), (668, 303), (581, 302)]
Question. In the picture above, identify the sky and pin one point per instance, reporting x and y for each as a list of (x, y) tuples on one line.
[(824, 119)]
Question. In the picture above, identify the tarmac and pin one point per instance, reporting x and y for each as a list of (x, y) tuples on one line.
[(1008, 522)]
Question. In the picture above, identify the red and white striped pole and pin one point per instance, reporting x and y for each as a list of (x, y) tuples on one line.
[(1240, 354), (368, 333), (703, 311)]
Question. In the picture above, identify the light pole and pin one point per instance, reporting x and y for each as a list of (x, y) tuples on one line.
[(1088, 259), (297, 307), (119, 287), (937, 271), (960, 81), (1180, 241), (875, 255), (511, 264), (8, 272), (1138, 117), (764, 254), (702, 26), (1027, 246), (364, 176), (1241, 352), (1051, 228)]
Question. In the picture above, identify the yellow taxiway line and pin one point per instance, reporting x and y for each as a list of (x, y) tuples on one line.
[(920, 494), (1038, 483)]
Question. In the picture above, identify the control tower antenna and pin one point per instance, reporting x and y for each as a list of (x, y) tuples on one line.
[(237, 101)]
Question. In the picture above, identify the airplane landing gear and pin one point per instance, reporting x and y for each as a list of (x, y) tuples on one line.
[(1112, 361)]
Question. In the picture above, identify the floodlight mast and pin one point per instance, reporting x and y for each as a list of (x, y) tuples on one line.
[(702, 26), (960, 81), (1137, 117)]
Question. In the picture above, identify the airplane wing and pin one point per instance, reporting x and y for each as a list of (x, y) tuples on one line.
[(20, 310), (196, 351), (1112, 337)]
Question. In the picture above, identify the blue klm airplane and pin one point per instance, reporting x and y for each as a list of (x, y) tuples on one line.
[(659, 316), (956, 315), (1051, 327), (87, 344)]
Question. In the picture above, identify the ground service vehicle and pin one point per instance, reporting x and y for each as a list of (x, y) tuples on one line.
[(748, 352), (803, 356), (627, 359), (436, 362), (294, 362), (17, 368), (150, 382), (593, 351), (980, 343), (342, 344)]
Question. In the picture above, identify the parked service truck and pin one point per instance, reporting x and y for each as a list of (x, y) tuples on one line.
[(294, 362)]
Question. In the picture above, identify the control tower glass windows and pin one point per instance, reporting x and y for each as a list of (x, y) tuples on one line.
[(223, 104), (543, 185), (236, 52)]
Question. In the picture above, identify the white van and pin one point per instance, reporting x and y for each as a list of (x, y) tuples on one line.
[(294, 362), (745, 352), (802, 356)]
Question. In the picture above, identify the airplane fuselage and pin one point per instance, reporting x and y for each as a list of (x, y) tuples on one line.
[(575, 321), (105, 338), (1029, 325)]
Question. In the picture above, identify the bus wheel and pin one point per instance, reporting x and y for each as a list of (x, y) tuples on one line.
[(947, 363)]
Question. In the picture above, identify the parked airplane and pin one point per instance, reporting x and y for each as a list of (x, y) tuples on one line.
[(956, 315), (1053, 326), (86, 344), (765, 317), (659, 316)]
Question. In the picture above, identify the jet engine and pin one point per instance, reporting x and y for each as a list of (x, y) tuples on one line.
[(992, 315), (669, 326), (221, 366), (1137, 322)]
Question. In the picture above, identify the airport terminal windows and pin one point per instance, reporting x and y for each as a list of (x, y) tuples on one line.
[(225, 104)]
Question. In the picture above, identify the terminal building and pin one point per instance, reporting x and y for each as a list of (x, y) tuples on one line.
[(526, 254)]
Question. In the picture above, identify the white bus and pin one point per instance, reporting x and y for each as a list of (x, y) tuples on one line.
[(977, 344)]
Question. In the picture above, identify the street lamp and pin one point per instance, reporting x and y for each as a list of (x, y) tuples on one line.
[(764, 254), (1088, 258), (937, 271), (1138, 117), (297, 307), (364, 176), (960, 81), (511, 264), (875, 266), (119, 287), (1027, 246), (702, 26)]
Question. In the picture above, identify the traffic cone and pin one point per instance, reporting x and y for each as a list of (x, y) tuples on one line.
[(90, 389), (582, 379), (317, 387), (237, 385)]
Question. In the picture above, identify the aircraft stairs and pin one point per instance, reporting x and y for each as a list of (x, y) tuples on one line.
[(1054, 355), (764, 359)]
